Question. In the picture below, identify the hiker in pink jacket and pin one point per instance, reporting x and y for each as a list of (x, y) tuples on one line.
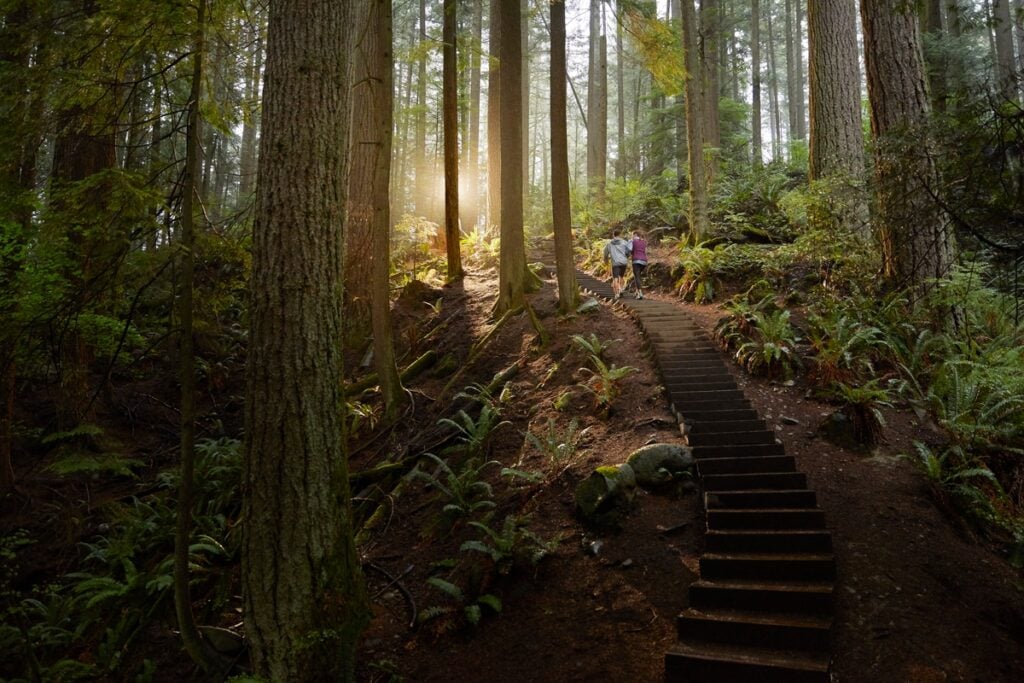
[(638, 250)]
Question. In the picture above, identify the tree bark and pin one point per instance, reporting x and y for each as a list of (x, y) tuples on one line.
[(694, 125), (494, 119), (512, 266), (801, 111), (917, 239), (791, 84), (1005, 61), (568, 289), (755, 82), (597, 103), (620, 91), (369, 209), (450, 105), (708, 37), (524, 28), (837, 138), (775, 117), (303, 590), (423, 187), (470, 169), (250, 121), (200, 652)]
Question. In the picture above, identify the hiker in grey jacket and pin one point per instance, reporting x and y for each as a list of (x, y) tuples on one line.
[(617, 252)]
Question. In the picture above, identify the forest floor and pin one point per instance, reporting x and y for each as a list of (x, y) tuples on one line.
[(919, 598)]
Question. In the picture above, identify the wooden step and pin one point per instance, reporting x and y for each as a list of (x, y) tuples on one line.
[(746, 465), (774, 566), (765, 518), (718, 426), (808, 597), (784, 498), (757, 480), (724, 438), (722, 663), (758, 629), (693, 417), (768, 540), (754, 450)]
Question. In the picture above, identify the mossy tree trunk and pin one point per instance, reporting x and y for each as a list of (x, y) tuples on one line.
[(304, 594), (568, 289)]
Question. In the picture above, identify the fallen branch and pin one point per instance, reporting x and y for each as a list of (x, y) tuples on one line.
[(415, 368), (477, 348)]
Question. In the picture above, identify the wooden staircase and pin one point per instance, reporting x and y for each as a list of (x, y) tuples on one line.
[(762, 608)]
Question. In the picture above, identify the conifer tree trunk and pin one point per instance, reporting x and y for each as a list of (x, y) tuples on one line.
[(837, 139), (250, 124), (917, 240), (368, 240), (597, 103), (494, 119), (524, 28), (512, 266), (620, 91), (470, 169), (450, 94), (304, 595), (694, 125), (801, 111), (708, 37), (1005, 62), (791, 85), (423, 173), (568, 289), (773, 89), (755, 82), (200, 652)]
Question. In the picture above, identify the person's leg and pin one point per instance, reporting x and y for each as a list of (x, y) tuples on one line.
[(638, 273)]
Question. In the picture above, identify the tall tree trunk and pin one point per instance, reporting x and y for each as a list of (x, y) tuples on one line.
[(597, 113), (470, 169), (1005, 62), (837, 138), (699, 225), (512, 266), (401, 183), (773, 90), (368, 258), (250, 121), (494, 119), (708, 37), (791, 85), (367, 242), (620, 91), (935, 59), (450, 93), (568, 289), (198, 649), (423, 186), (755, 81), (305, 598), (801, 111), (917, 240), (524, 28)]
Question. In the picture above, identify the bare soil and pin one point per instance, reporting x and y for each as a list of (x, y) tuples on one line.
[(920, 599)]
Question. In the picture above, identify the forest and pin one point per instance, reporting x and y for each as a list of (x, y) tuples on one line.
[(313, 366)]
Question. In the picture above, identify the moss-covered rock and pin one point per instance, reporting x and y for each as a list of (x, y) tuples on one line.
[(660, 463), (605, 497)]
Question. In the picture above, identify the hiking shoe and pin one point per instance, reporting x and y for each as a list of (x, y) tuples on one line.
[(639, 295)]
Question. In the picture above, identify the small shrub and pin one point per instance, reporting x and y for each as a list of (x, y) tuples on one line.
[(603, 382)]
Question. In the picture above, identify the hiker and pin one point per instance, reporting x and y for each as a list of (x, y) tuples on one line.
[(638, 251), (617, 252)]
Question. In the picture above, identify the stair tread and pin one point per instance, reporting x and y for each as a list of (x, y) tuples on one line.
[(778, 557), (763, 511), (759, 656), (781, 585), (763, 618)]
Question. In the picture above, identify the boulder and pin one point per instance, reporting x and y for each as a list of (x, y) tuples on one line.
[(605, 497), (839, 429), (660, 463)]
